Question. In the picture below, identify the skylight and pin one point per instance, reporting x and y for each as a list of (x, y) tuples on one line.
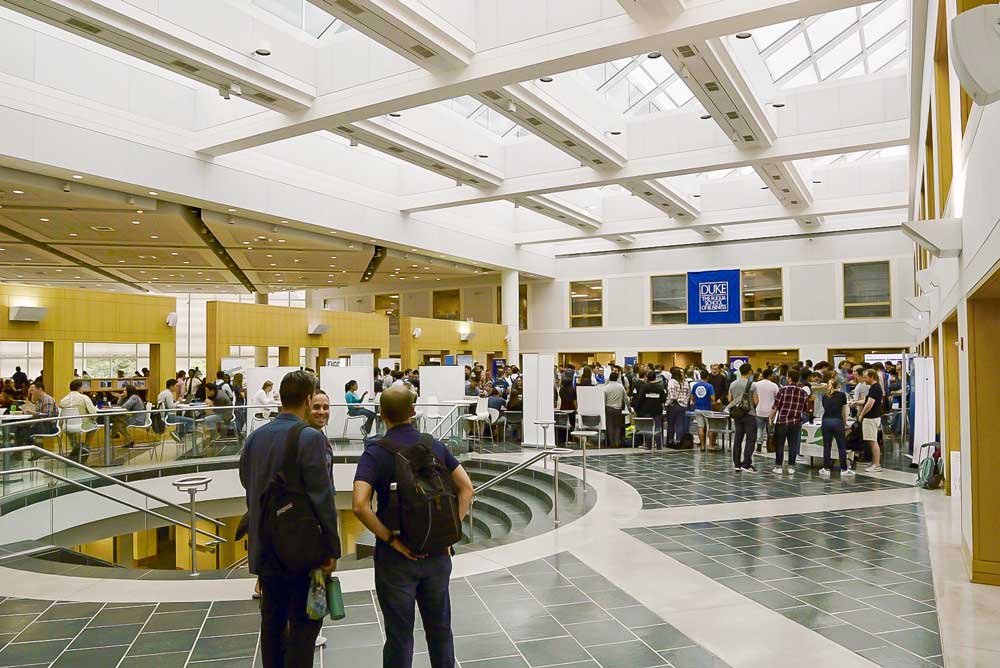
[(477, 112), (842, 158), (303, 15), (845, 43), (639, 85)]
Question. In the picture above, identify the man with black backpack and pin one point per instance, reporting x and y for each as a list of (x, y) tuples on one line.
[(423, 495), (292, 523)]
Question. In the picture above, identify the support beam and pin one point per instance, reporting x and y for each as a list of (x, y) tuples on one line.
[(409, 28), (651, 10), (399, 142), (785, 182), (559, 211), (124, 27), (590, 44), (672, 202), (762, 214), (785, 149), (940, 238), (544, 115)]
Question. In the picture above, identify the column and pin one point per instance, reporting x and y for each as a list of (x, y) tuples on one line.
[(285, 356), (260, 352), (57, 367), (509, 311), (162, 360)]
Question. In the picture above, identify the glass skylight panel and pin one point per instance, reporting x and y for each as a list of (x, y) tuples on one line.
[(840, 55), (679, 92), (302, 14), (888, 51), (826, 27), (882, 23), (784, 60), (768, 35), (805, 78)]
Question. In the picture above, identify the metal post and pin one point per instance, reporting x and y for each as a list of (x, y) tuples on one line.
[(583, 448), (555, 490), (472, 528), (905, 386), (194, 536), (192, 485), (545, 445)]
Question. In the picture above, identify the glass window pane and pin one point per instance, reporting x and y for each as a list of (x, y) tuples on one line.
[(867, 289), (838, 56), (768, 35), (828, 26), (762, 295), (887, 52), (806, 77), (586, 304), (874, 311), (447, 305), (668, 299), (782, 61), (882, 23)]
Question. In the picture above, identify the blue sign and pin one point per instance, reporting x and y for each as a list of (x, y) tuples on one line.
[(449, 360), (498, 363), (714, 297), (736, 362)]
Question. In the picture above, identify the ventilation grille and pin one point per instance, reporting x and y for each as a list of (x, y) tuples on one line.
[(493, 95), (598, 161), (712, 87), (686, 51), (422, 51), (569, 143), (264, 97), (748, 137), (350, 6), (181, 65), (396, 149), (439, 167), (534, 121), (82, 25), (344, 128), (732, 115)]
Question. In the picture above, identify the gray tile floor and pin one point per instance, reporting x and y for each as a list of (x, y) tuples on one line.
[(672, 478), (553, 611), (861, 578)]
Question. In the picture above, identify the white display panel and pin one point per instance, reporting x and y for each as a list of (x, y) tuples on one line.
[(590, 401), (539, 403), (925, 408), (391, 362), (363, 359), (444, 383), (333, 379)]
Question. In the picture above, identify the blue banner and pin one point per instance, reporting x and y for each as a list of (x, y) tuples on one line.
[(735, 362), (714, 297)]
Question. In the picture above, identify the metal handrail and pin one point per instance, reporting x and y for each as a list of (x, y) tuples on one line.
[(438, 429), (104, 476), (70, 481), (555, 453)]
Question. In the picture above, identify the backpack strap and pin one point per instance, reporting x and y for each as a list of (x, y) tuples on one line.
[(289, 470)]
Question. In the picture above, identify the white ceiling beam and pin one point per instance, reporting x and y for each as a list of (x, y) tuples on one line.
[(399, 142), (409, 28), (543, 114), (785, 181), (590, 44), (665, 198), (560, 212), (126, 28), (744, 216), (651, 10), (795, 147)]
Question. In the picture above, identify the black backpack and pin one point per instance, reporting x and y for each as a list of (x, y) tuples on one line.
[(423, 505), (289, 528)]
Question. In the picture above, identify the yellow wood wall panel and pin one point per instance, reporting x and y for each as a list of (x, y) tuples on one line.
[(445, 336), (984, 364)]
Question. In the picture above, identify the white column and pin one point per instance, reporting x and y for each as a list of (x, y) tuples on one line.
[(510, 294)]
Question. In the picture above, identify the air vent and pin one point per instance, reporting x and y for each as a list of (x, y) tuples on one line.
[(492, 95), (437, 166), (786, 190), (264, 97), (748, 137), (84, 26), (568, 143), (776, 177), (795, 201), (350, 6), (598, 162), (538, 208), (475, 181), (396, 149), (181, 65), (422, 51), (102, 228), (344, 128), (647, 193), (686, 51), (712, 87), (534, 121), (732, 115)]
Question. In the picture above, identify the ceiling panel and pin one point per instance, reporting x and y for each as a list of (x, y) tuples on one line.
[(143, 256)]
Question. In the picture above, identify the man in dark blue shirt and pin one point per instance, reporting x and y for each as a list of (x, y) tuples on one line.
[(287, 635), (401, 577)]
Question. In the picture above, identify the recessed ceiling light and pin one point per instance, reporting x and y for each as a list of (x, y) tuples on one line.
[(174, 253), (778, 105), (153, 192), (77, 176), (817, 181), (284, 222), (27, 259), (654, 55), (394, 114), (187, 262), (231, 210), (545, 79), (121, 261), (695, 195), (743, 35), (705, 117), (73, 234), (17, 192), (136, 222), (44, 220), (139, 211), (273, 264), (281, 241), (153, 236)]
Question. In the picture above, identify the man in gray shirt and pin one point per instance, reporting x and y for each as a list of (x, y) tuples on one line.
[(614, 404), (741, 408)]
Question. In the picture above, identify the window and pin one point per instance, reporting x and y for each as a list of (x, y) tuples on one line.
[(762, 296), (24, 354), (669, 300), (447, 305), (105, 360), (586, 304), (522, 306), (867, 287), (389, 304)]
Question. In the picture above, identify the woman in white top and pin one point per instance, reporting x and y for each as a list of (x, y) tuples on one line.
[(265, 395)]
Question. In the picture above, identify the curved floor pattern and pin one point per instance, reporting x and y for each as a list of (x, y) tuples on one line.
[(673, 478), (553, 611)]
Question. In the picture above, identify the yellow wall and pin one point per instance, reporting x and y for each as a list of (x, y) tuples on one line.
[(445, 336), (88, 316), (232, 324)]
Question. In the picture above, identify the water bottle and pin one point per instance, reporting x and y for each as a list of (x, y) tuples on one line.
[(335, 598)]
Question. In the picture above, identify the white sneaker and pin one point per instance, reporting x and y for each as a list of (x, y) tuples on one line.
[(874, 469), (824, 473), (849, 473), (791, 470), (776, 470)]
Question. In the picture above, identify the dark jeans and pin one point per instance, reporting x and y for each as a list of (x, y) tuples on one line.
[(367, 429), (287, 635), (614, 420), (399, 583), (833, 428), (793, 434), (676, 422), (745, 429)]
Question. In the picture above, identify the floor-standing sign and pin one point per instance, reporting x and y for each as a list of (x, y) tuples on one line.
[(924, 405), (539, 403)]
